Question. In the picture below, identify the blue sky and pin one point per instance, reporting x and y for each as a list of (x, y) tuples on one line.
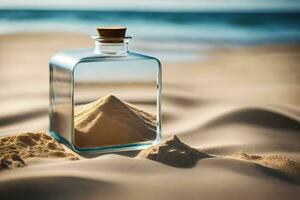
[(199, 5)]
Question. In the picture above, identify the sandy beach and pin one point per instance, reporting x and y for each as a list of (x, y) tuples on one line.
[(236, 115)]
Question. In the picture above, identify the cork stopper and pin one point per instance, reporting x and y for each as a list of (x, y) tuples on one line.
[(111, 32)]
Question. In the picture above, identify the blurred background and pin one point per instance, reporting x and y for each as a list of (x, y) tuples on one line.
[(231, 51), (171, 29)]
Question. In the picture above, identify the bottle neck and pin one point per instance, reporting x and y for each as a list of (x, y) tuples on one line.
[(111, 49)]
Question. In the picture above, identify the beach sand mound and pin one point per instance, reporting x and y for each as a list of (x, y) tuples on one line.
[(282, 164), (173, 152), (110, 121), (14, 150)]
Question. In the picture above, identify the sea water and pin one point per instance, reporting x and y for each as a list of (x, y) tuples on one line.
[(165, 34)]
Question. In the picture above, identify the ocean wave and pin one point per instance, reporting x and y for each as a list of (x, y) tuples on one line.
[(212, 28)]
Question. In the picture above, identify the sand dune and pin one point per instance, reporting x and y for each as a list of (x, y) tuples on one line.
[(233, 128), (174, 153), (177, 154), (117, 175), (238, 99), (35, 189), (257, 117), (283, 167)]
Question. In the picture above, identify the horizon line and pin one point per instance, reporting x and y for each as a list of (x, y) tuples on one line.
[(235, 10)]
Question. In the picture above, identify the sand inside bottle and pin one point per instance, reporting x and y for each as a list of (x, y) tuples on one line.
[(110, 121)]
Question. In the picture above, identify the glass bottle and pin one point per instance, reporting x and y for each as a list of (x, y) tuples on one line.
[(105, 98)]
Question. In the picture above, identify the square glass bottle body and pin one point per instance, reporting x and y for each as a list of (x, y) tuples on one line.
[(125, 89)]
